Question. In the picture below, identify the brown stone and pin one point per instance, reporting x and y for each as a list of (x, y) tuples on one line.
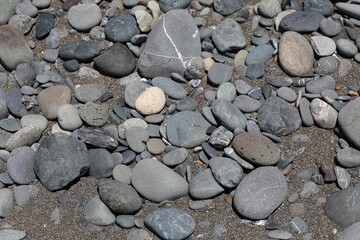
[(52, 98), (13, 47), (328, 172), (256, 148), (296, 55), (69, 3)]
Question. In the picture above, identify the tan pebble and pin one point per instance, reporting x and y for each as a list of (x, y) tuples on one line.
[(287, 169), (207, 63), (337, 87), (353, 93), (228, 199), (150, 101)]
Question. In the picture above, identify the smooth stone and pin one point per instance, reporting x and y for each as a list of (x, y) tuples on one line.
[(54, 165), (148, 178), (279, 234), (278, 117), (227, 7), (7, 202), (138, 234), (128, 156), (52, 98), (325, 7), (121, 28), (323, 46), (20, 165), (187, 104), (341, 207), (41, 3), (25, 74), (125, 221), (246, 103), (136, 137), (228, 115), (204, 185), (269, 8), (326, 65), (34, 120), (132, 122), (187, 129), (320, 84), (323, 114), (98, 137), (228, 36), (13, 47), (349, 9), (170, 223), (150, 101), (83, 17), (200, 204), (133, 90), (256, 148), (13, 103), (101, 163), (287, 94), (351, 232), (96, 115), (24, 137), (342, 177), (144, 20), (171, 44), (255, 70), (98, 213), (348, 157), (329, 27), (50, 55), (260, 54), (220, 137), (119, 197), (175, 157), (167, 5), (53, 39), (82, 51), (305, 112), (226, 91), (10, 125), (346, 47), (26, 8), (226, 171), (155, 146), (7, 10), (44, 23), (309, 189), (271, 191), (296, 55), (117, 61), (122, 173), (24, 193), (171, 88), (68, 117), (302, 22), (12, 234), (89, 92), (219, 73)]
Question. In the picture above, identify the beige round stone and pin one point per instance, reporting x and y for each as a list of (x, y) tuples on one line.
[(207, 63), (150, 101), (296, 55), (52, 98)]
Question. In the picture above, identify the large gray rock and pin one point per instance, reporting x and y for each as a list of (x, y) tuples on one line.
[(148, 178), (170, 46), (349, 121), (228, 36), (7, 10), (349, 9), (278, 117), (260, 192), (351, 233), (98, 213), (59, 160), (187, 129), (342, 208), (348, 157)]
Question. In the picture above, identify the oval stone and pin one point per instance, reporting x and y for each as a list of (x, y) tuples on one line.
[(349, 121), (150, 101)]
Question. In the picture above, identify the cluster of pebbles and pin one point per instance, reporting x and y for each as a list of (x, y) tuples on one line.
[(203, 108)]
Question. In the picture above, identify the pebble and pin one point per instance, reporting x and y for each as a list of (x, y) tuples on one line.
[(204, 185), (200, 204), (226, 171), (121, 28), (20, 165), (7, 202), (305, 112), (24, 137), (24, 193), (150, 101), (220, 137), (323, 114), (348, 121), (10, 125), (346, 47), (323, 46), (260, 54), (60, 149), (125, 221), (44, 23), (83, 17), (342, 177), (302, 22), (320, 84), (155, 146), (227, 7), (228, 36), (228, 115), (309, 189), (82, 51), (138, 234), (89, 92), (96, 115), (350, 232), (219, 73), (287, 94), (132, 92), (136, 137), (348, 157), (175, 157), (68, 117), (269, 8), (52, 98), (326, 65), (148, 177), (170, 223), (279, 234), (98, 213), (327, 170), (255, 71), (101, 163), (26, 8), (98, 137), (298, 225), (8, 10), (168, 5), (122, 173), (23, 22), (171, 88), (272, 190)]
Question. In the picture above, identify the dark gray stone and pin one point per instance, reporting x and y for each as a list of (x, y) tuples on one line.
[(25, 74), (305, 113), (170, 223), (54, 161), (167, 5), (278, 117), (349, 9), (97, 137), (101, 163), (219, 73), (220, 137), (226, 171), (187, 104), (349, 121), (326, 65), (346, 47), (260, 54), (136, 137), (302, 22), (320, 84), (228, 36), (121, 28), (10, 124), (125, 221), (325, 7), (175, 157), (228, 115), (255, 70), (14, 103), (20, 165), (204, 185), (82, 51), (44, 23), (227, 7)]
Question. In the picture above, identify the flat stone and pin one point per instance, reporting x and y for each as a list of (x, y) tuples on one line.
[(175, 157), (348, 120), (346, 47), (23, 22), (350, 232), (226, 171), (329, 27), (323, 46), (349, 9), (20, 165), (187, 129), (7, 10), (10, 125), (98, 137), (52, 98), (305, 113), (269, 8), (170, 223), (227, 7), (122, 173), (7, 202), (228, 36), (133, 90), (204, 185), (14, 103), (96, 115), (325, 7), (228, 115), (323, 114), (326, 65), (320, 84), (12, 234), (83, 17), (219, 73), (136, 137), (302, 22), (220, 137), (101, 163), (260, 54), (68, 117), (227, 91), (271, 190), (89, 92), (155, 146), (348, 157), (172, 43), (80, 50), (54, 163), (148, 178), (167, 5), (171, 88), (24, 137), (98, 213)]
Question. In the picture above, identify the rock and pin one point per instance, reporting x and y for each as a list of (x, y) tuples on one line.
[(12, 234), (14, 103), (7, 202), (226, 171), (255, 71), (121, 28), (342, 177), (25, 74), (98, 213), (325, 7), (10, 125), (327, 170), (323, 46), (346, 47), (41, 3), (279, 234), (269, 8), (306, 115), (326, 65), (117, 61), (125, 221), (276, 116), (220, 137), (219, 73), (20, 165), (155, 146), (302, 22), (348, 120), (318, 85), (136, 137), (187, 129), (44, 23), (204, 185), (119, 197), (271, 190), (309, 189), (287, 94), (148, 177), (167, 5), (52, 98), (132, 92), (150, 101), (26, 8), (82, 51), (23, 22), (13, 47), (138, 234), (98, 137), (350, 232), (171, 44), (171, 88), (227, 7), (227, 91), (260, 54), (96, 115), (54, 165), (349, 9), (23, 193), (228, 36), (85, 16), (50, 55), (68, 117), (24, 137), (122, 173), (175, 157), (7, 10), (295, 54), (228, 115), (329, 27), (144, 20), (170, 223), (348, 157), (89, 92), (323, 114), (101, 163), (341, 207), (34, 120)]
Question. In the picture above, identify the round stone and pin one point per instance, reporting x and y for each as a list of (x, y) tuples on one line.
[(155, 146), (95, 115), (226, 171), (68, 117), (121, 28), (346, 48), (150, 101), (83, 17), (52, 98), (122, 173), (34, 120)]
